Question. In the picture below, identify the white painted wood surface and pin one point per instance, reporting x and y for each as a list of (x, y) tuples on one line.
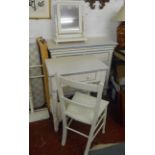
[(72, 66), (83, 108), (91, 42), (38, 115), (100, 47)]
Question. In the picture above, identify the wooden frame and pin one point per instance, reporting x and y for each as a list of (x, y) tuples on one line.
[(43, 49), (39, 9), (69, 35), (71, 4)]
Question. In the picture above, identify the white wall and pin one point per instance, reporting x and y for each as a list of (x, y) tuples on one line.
[(97, 22)]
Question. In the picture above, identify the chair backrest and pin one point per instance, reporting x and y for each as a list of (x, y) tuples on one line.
[(43, 49), (85, 87)]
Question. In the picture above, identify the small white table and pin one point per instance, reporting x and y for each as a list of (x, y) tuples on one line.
[(81, 68), (100, 47)]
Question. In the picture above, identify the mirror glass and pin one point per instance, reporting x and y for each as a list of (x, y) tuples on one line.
[(69, 18)]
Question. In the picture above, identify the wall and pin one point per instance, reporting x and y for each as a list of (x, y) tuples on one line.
[(97, 22)]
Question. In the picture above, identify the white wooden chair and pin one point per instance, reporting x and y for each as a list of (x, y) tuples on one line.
[(82, 107)]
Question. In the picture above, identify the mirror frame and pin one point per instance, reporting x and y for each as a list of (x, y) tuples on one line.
[(59, 5), (71, 35)]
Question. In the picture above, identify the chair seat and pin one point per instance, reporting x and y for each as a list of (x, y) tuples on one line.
[(84, 114)]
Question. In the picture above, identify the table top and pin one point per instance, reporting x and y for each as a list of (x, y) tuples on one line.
[(74, 65), (98, 41)]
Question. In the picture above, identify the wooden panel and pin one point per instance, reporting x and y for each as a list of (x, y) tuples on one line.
[(44, 55)]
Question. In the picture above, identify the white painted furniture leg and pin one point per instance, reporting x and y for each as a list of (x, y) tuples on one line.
[(31, 99), (64, 134), (104, 121), (53, 102), (88, 146), (54, 112), (90, 138)]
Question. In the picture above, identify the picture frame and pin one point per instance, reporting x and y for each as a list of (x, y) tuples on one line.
[(39, 9)]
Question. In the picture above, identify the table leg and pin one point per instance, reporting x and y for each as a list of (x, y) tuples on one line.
[(54, 111), (53, 102)]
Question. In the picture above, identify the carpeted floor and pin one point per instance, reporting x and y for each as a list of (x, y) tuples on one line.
[(44, 141)]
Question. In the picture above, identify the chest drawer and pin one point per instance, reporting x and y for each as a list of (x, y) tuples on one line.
[(83, 77), (104, 57), (89, 77), (55, 53)]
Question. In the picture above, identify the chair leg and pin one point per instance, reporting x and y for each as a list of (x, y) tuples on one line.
[(104, 121), (88, 146), (90, 138), (64, 134)]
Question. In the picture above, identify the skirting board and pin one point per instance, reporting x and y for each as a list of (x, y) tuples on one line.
[(37, 115)]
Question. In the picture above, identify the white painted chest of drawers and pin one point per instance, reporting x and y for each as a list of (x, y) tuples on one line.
[(102, 48)]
